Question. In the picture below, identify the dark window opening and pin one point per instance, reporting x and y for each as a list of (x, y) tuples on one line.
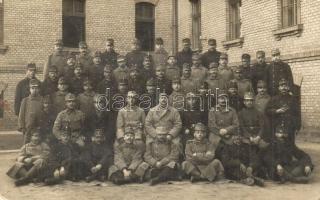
[(1, 21), (73, 22), (145, 25), (234, 19), (289, 13), (196, 23)]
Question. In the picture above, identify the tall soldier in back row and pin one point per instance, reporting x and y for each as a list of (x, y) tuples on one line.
[(185, 55), (57, 58), (109, 56), (212, 55)]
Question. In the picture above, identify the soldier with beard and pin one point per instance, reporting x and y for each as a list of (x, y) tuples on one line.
[(50, 84), (259, 70)]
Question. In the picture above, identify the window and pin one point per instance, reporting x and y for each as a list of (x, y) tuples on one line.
[(145, 26), (234, 19), (73, 22), (1, 21), (289, 13), (196, 23)]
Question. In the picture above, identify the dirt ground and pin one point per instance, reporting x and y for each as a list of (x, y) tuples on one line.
[(172, 191)]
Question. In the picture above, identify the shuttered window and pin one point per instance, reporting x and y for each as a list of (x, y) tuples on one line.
[(73, 22), (234, 19), (289, 13)]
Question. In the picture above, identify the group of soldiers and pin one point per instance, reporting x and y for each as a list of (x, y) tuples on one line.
[(158, 117)]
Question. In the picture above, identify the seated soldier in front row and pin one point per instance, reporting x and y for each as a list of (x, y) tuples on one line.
[(240, 163), (200, 163), (162, 155), (128, 161), (285, 161), (32, 159), (97, 157)]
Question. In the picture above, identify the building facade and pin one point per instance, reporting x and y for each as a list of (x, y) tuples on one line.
[(29, 28)]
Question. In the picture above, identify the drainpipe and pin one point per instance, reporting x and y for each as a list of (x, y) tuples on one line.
[(174, 27)]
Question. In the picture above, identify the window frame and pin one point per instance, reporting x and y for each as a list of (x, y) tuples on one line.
[(234, 20), (1, 22), (295, 6), (196, 24)]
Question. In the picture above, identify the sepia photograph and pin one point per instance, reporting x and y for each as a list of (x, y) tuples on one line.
[(159, 99)]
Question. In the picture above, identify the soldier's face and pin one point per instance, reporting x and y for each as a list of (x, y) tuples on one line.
[(83, 50), (123, 89), (151, 89), (71, 104), (163, 100), (77, 71), (212, 47), (284, 88), (128, 138), (186, 73), (233, 91), (222, 101), (97, 60), (35, 139), (134, 74), (160, 73), (31, 73), (71, 61), (121, 63), (202, 91), (147, 63), (213, 73), (199, 135), (46, 106), (246, 62), (53, 76), (186, 46), (107, 74), (172, 60), (281, 137), (132, 100), (248, 103), (158, 46), (261, 58), (58, 48), (99, 138), (262, 90), (176, 86), (34, 90), (238, 75), (223, 62), (87, 87), (135, 47), (63, 87), (192, 102), (65, 139), (276, 58), (109, 47), (196, 62)]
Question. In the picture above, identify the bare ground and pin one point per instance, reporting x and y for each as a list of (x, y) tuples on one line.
[(173, 191)]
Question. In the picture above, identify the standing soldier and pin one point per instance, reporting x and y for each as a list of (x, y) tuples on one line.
[(160, 55), (198, 72), (46, 121), (187, 83), (22, 89), (110, 55), (71, 122), (95, 73), (68, 70), (149, 99), (200, 163), (176, 98), (246, 66), (128, 161), (122, 71), (50, 84), (212, 55), (165, 117), (76, 84), (163, 84), (108, 84), (118, 100), (136, 82), (84, 57), (225, 72), (57, 58), (283, 111), (30, 110), (185, 56), (276, 71), (259, 70), (214, 82), (58, 98), (235, 100), (131, 116), (135, 56), (172, 69), (244, 85), (147, 71), (262, 98), (162, 155)]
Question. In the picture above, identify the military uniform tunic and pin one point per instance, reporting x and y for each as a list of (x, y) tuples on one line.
[(110, 58), (172, 72), (57, 59), (210, 57)]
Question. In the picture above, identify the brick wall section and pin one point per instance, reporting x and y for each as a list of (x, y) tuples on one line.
[(184, 21)]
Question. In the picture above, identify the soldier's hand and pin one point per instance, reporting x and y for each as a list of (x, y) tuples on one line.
[(209, 153), (223, 131), (169, 137), (126, 173), (194, 154), (243, 168), (307, 170), (280, 170), (62, 171), (56, 173), (187, 131), (28, 160), (158, 164)]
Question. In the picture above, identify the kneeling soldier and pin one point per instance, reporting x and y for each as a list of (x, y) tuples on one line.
[(128, 161), (162, 155), (200, 162), (97, 157), (31, 160)]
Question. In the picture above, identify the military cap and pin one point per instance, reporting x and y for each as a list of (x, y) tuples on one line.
[(136, 41), (71, 55), (107, 68), (161, 130), (83, 44), (283, 81), (186, 66), (160, 67), (31, 66), (223, 56), (246, 56), (110, 41), (191, 95), (97, 54), (163, 93), (176, 79), (78, 65), (151, 82), (238, 69), (123, 82), (132, 93), (232, 84), (128, 130), (62, 80), (261, 53), (99, 132), (159, 41), (58, 42), (186, 40), (34, 83), (195, 56), (275, 52), (248, 95), (70, 97), (212, 42), (213, 65), (53, 68), (200, 127), (222, 93), (261, 84), (121, 58)]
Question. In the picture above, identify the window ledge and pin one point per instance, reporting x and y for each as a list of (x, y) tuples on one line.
[(290, 31), (3, 49), (233, 43)]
